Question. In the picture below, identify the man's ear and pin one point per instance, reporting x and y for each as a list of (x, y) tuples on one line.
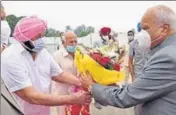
[(166, 29)]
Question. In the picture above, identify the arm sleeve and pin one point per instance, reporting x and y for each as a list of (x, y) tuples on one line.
[(15, 76), (55, 68), (157, 79)]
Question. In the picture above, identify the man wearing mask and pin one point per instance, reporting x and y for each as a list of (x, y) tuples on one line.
[(137, 55), (28, 70), (65, 58), (154, 91), (105, 35), (130, 35)]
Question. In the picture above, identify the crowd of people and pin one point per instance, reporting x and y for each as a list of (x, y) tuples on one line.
[(33, 80)]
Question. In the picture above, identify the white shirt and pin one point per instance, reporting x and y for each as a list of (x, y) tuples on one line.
[(5, 32), (19, 71)]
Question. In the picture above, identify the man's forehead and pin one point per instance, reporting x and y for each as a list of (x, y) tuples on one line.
[(149, 18), (146, 22), (73, 38), (70, 34)]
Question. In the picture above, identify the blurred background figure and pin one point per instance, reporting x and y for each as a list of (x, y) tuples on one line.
[(130, 35), (105, 36), (137, 55), (5, 29)]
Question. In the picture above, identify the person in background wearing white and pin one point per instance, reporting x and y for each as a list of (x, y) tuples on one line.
[(5, 29), (28, 70)]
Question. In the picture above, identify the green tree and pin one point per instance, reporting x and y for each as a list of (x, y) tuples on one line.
[(50, 32), (82, 30), (12, 21), (68, 28)]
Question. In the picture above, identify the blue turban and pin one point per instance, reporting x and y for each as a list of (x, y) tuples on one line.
[(139, 28)]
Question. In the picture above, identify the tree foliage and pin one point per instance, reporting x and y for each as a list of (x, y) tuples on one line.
[(12, 21), (82, 30), (50, 32)]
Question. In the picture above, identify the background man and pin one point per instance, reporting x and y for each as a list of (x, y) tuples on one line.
[(105, 35), (137, 55), (65, 58)]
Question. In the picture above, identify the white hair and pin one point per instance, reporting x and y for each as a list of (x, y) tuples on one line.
[(165, 15)]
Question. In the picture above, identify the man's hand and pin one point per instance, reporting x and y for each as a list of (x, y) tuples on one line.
[(2, 48), (87, 80), (82, 98), (132, 77)]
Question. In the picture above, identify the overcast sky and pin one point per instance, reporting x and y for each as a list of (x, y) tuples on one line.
[(120, 15)]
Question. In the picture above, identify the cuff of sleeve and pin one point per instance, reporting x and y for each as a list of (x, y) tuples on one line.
[(56, 73), (98, 94), (19, 87)]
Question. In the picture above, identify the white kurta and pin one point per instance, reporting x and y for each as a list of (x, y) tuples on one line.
[(20, 71)]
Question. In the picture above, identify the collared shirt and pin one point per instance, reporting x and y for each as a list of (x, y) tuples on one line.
[(19, 71), (66, 62)]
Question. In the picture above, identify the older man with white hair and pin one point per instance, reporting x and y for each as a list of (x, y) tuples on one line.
[(65, 58), (154, 91)]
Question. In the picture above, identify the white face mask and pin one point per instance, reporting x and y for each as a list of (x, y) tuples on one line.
[(39, 44), (106, 38), (143, 38), (130, 38)]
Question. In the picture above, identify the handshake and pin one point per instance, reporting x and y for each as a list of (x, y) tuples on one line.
[(83, 97)]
